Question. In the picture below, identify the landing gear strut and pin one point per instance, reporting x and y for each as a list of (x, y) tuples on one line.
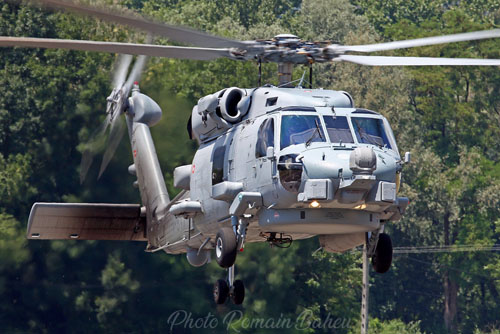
[(221, 291), (379, 248), (229, 288), (226, 247), (382, 259), (227, 243)]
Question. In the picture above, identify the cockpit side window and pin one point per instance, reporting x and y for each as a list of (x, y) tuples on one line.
[(299, 129), (338, 129), (370, 131), (265, 139)]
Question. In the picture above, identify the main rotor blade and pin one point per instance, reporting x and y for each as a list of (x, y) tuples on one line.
[(121, 70), (174, 33), (468, 36), (180, 52), (416, 61)]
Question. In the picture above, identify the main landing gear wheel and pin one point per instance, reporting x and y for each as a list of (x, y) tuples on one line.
[(221, 291), (238, 292), (382, 259), (225, 247)]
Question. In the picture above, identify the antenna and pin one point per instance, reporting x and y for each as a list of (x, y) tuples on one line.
[(302, 80), (310, 75), (260, 71)]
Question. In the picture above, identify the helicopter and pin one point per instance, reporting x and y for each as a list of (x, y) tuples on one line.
[(274, 163)]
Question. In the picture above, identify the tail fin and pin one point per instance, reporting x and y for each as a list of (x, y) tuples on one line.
[(143, 112)]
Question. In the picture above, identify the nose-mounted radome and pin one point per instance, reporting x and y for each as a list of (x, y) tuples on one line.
[(363, 161), (326, 180)]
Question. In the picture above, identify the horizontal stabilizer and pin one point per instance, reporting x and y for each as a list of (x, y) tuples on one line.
[(86, 221)]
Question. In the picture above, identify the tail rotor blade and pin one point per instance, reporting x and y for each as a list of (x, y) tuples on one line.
[(121, 70), (117, 127), (114, 110), (115, 136), (117, 103), (87, 159), (92, 147), (135, 74)]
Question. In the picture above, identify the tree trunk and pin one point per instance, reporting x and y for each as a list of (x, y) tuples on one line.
[(450, 304), (450, 287)]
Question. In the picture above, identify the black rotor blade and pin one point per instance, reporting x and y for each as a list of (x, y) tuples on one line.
[(416, 61), (173, 33), (180, 52)]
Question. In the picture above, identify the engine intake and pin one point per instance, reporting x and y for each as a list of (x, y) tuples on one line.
[(230, 104)]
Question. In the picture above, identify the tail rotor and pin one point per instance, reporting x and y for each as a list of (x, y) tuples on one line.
[(116, 105)]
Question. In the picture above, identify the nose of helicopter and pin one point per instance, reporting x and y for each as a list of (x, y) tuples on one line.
[(347, 176), (320, 164), (342, 162)]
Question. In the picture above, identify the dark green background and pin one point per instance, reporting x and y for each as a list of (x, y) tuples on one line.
[(449, 118)]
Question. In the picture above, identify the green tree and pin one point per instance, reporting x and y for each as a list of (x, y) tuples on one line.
[(454, 115)]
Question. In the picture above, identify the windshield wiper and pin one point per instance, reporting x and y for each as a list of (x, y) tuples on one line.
[(317, 130), (364, 135)]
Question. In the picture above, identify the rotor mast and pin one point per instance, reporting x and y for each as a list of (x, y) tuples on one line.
[(285, 74), (285, 68)]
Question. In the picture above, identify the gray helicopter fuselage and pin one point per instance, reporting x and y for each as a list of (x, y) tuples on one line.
[(294, 150)]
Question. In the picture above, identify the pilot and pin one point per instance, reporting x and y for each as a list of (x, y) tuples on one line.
[(291, 126)]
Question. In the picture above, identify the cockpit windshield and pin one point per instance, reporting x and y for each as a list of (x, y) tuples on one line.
[(299, 129), (338, 129), (370, 131)]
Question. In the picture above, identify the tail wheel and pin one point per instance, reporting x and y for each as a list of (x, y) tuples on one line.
[(225, 247), (221, 291), (382, 259), (238, 292)]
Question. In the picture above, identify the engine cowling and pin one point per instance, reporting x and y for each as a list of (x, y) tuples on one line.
[(216, 113)]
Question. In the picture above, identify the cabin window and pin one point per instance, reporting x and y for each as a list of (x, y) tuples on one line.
[(218, 162), (299, 129), (265, 139), (338, 129), (370, 131)]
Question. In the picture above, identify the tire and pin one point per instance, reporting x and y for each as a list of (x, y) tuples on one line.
[(238, 294), (221, 291), (225, 247), (382, 259)]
